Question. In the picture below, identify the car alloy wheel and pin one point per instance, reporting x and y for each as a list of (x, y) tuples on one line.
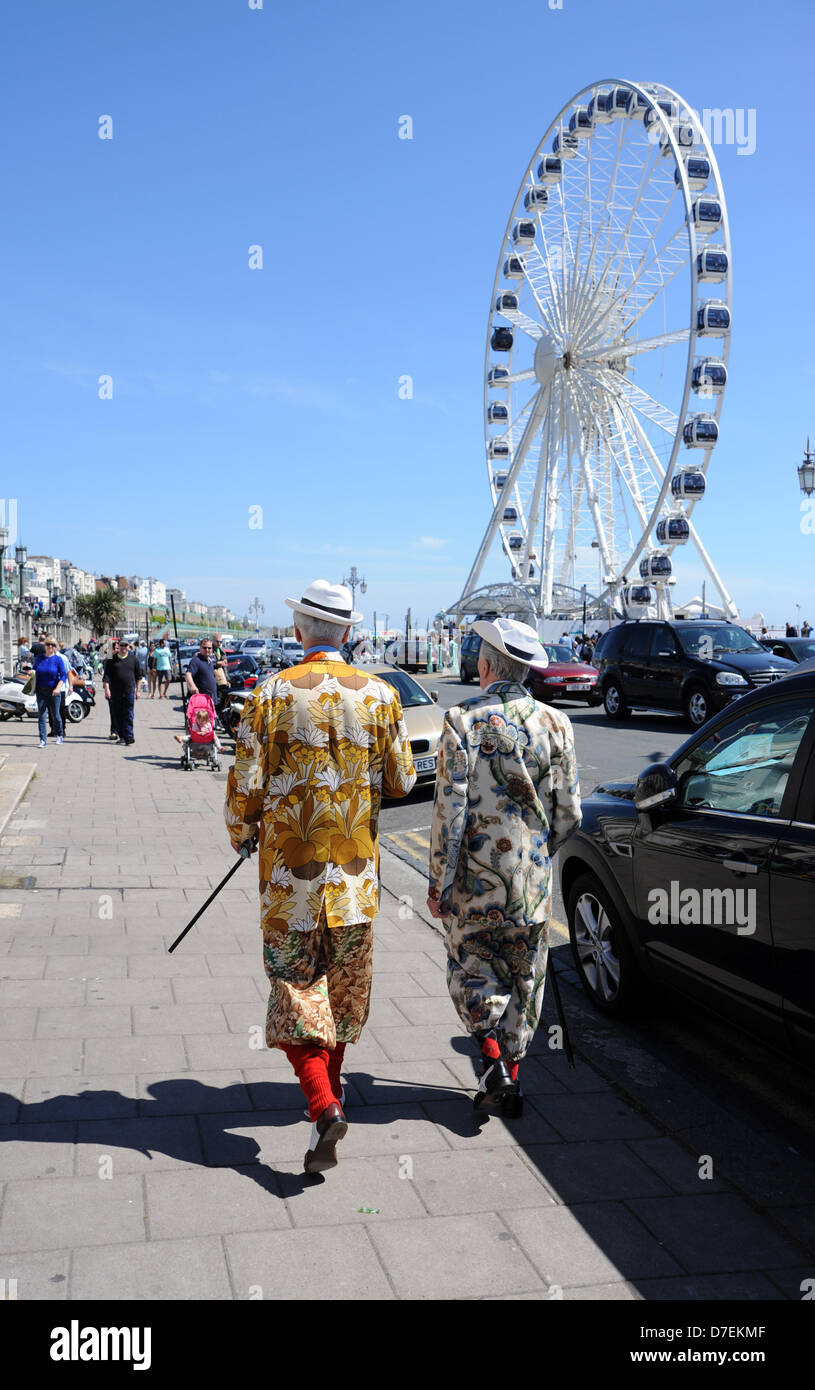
[(614, 702), (605, 962), (599, 965), (697, 708)]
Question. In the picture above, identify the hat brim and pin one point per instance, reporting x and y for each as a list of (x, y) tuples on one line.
[(322, 614), (488, 633)]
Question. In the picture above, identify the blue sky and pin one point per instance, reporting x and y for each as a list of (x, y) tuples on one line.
[(278, 387)]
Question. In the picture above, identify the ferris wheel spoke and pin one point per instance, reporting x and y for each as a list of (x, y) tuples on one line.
[(632, 347), (648, 167), (537, 273), (619, 302), (661, 279), (621, 450), (641, 401), (591, 490), (604, 219)]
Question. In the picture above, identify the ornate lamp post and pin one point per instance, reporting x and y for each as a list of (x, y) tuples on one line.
[(3, 548), (806, 472), (20, 555), (354, 582)]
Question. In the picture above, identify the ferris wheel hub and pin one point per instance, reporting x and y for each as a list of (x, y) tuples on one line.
[(547, 357)]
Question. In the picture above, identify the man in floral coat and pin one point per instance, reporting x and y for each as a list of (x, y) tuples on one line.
[(506, 798), (317, 747)]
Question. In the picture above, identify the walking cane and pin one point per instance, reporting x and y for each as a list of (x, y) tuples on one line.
[(561, 1016), (246, 849)]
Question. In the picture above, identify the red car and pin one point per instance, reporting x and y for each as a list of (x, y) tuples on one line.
[(565, 678)]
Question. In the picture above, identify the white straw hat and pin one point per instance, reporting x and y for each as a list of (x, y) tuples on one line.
[(329, 602), (515, 640)]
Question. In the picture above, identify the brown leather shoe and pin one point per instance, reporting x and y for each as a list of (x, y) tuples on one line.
[(327, 1130)]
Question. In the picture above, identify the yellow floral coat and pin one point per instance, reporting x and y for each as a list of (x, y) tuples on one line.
[(316, 748)]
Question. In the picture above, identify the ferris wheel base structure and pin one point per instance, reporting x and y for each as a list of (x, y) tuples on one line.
[(606, 361), (512, 600)]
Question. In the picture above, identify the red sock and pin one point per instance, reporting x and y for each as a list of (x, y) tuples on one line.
[(490, 1049), (335, 1060), (513, 1071), (311, 1069)]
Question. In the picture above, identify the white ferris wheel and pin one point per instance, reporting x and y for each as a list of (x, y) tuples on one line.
[(606, 359)]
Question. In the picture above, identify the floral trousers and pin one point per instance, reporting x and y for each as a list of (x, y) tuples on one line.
[(320, 983), (496, 976)]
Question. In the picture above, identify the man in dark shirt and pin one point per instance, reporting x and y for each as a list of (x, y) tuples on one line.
[(121, 673), (200, 675)]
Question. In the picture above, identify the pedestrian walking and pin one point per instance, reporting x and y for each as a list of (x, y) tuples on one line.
[(48, 688), (200, 673), (38, 648), (164, 663), (23, 653), (506, 798), (151, 670), (317, 747), (142, 653), (120, 681), (67, 678)]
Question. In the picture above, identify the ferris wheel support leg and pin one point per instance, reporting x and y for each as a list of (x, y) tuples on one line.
[(530, 429), (730, 607)]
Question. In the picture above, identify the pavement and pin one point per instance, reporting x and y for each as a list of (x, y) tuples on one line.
[(151, 1147)]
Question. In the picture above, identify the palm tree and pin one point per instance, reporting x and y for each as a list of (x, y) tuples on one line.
[(101, 611)]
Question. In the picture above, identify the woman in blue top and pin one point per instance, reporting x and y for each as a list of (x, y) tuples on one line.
[(49, 686)]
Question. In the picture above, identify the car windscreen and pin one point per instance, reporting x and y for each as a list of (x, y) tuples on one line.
[(559, 653), (715, 642), (409, 691)]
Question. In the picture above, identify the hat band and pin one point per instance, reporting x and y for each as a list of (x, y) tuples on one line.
[(517, 651), (335, 612)]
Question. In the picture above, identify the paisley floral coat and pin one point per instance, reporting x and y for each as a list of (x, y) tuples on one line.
[(506, 797), (316, 748)]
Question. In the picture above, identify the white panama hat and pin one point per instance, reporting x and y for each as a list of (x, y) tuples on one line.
[(329, 602), (516, 640)]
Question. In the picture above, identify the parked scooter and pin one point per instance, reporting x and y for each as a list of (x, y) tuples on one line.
[(16, 704)]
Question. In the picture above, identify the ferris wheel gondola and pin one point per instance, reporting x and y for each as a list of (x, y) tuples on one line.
[(600, 300)]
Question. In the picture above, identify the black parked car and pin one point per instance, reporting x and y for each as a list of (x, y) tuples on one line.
[(701, 874), (468, 661), (697, 667)]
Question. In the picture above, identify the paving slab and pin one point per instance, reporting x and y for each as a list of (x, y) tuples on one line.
[(280, 1265), (214, 1201), (40, 1275), (161, 1270), (83, 1210), (454, 1257), (601, 1242)]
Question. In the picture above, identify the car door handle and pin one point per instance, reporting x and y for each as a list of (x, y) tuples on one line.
[(740, 866)]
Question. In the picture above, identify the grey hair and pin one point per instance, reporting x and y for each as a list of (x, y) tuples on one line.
[(315, 631), (503, 667)]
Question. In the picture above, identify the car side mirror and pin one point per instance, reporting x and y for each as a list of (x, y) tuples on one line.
[(656, 786), (778, 651)]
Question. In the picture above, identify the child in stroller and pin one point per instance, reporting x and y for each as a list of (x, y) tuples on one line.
[(200, 742)]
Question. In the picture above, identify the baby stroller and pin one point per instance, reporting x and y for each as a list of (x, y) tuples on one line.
[(200, 742)]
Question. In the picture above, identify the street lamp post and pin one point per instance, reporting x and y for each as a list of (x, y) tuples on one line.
[(257, 608), (354, 582), (21, 555), (806, 472), (3, 548)]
